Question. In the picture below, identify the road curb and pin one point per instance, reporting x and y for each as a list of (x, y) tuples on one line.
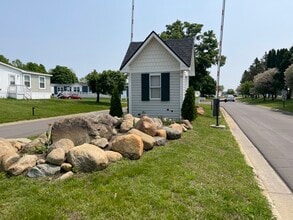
[(274, 188)]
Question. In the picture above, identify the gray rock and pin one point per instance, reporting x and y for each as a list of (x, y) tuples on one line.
[(160, 141), (35, 172), (83, 129), (49, 169), (171, 133)]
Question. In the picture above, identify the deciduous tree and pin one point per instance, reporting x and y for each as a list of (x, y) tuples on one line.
[(205, 49), (63, 75)]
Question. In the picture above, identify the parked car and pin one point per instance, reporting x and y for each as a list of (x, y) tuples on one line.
[(68, 96), (230, 98)]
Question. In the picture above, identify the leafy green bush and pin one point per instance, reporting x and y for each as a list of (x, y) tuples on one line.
[(188, 110), (116, 107)]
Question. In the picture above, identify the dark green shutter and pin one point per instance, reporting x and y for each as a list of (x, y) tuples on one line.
[(145, 87), (165, 87)]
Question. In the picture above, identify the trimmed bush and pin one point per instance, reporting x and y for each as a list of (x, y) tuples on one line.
[(188, 110), (116, 107)]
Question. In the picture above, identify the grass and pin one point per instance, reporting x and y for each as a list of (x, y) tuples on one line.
[(203, 175), (15, 110), (276, 104)]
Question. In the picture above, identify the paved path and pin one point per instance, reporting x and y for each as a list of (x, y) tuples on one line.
[(30, 128), (271, 132)]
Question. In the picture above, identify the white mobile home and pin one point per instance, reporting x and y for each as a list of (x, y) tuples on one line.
[(21, 84)]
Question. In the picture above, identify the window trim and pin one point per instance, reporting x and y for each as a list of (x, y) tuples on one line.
[(155, 87), (42, 77), (14, 80), (30, 80)]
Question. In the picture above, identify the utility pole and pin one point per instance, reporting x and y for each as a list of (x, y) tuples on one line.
[(216, 101), (132, 21)]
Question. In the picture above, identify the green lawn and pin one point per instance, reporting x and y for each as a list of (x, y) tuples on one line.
[(276, 104), (16, 110), (203, 175)]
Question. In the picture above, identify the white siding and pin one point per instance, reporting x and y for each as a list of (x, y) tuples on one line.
[(156, 108), (4, 79), (154, 58)]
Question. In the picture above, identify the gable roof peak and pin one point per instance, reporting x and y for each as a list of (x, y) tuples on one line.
[(181, 48)]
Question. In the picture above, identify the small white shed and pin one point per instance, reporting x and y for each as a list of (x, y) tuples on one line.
[(158, 75)]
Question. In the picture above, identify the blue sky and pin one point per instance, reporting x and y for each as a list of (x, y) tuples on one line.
[(95, 34)]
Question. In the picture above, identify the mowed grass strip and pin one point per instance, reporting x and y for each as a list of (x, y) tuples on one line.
[(276, 104), (203, 175), (16, 110)]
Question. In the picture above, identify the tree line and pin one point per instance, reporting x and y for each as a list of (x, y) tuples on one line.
[(269, 75)]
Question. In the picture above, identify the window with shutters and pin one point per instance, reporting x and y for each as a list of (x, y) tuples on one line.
[(155, 86)]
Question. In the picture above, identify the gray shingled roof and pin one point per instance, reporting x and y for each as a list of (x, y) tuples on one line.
[(182, 48)]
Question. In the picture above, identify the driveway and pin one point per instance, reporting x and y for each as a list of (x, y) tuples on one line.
[(270, 131)]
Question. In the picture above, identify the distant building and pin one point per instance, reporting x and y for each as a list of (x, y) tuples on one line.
[(21, 84)]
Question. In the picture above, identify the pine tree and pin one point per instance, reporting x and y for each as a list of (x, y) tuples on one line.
[(116, 107), (188, 110)]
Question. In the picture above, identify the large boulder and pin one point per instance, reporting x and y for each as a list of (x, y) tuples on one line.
[(37, 145), (127, 123), (87, 158), (27, 161), (148, 141), (147, 125), (82, 129), (129, 145)]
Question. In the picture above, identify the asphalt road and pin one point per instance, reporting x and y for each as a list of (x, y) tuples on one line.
[(271, 131)]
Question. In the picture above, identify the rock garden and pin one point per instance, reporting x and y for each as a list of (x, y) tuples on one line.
[(85, 143)]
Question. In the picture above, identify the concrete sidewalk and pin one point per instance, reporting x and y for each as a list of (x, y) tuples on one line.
[(277, 192)]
